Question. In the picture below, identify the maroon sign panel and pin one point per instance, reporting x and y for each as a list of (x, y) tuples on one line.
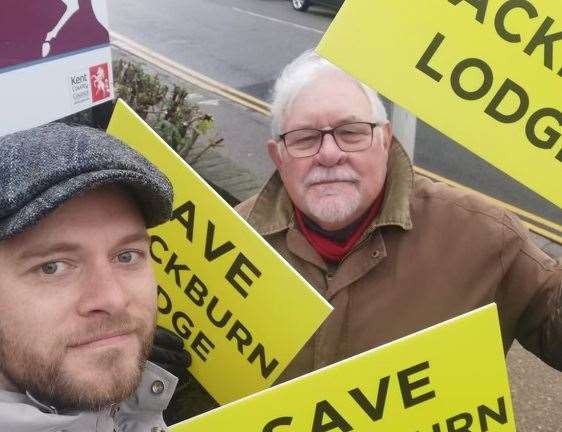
[(38, 29)]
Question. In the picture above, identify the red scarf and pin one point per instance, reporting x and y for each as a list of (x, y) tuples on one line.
[(330, 249)]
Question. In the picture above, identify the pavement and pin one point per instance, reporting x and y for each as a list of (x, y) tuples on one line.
[(536, 388)]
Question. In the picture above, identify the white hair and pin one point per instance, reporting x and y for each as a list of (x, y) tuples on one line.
[(303, 71)]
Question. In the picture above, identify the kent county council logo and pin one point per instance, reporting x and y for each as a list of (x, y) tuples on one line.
[(99, 79)]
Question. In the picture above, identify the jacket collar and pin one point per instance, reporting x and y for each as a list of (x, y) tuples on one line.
[(21, 413), (273, 212)]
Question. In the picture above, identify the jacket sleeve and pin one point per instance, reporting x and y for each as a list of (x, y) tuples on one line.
[(533, 281)]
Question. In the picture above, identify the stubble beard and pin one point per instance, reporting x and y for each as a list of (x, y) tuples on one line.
[(45, 377)]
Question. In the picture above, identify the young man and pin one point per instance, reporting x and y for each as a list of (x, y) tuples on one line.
[(77, 292)]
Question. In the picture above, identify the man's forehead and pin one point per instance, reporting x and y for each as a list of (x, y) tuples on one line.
[(337, 95), (81, 221), (318, 122)]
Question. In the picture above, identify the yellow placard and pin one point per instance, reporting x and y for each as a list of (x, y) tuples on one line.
[(486, 73), (451, 377), (242, 311)]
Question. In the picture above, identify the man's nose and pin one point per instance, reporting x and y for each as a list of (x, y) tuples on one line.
[(330, 154), (102, 292)]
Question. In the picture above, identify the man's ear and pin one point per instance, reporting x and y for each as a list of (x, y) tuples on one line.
[(387, 135), (274, 153)]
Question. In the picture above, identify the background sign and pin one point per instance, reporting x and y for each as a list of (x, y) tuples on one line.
[(486, 73), (55, 60), (450, 377), (242, 311)]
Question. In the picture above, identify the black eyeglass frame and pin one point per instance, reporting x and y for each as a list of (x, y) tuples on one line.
[(323, 133)]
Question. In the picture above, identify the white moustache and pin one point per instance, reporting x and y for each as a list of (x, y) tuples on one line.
[(328, 175)]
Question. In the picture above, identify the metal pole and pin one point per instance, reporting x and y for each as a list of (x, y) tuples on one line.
[(404, 126)]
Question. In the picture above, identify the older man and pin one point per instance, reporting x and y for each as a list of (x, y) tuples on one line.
[(77, 292), (393, 252)]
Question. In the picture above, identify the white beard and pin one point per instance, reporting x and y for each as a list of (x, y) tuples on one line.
[(333, 209), (330, 204)]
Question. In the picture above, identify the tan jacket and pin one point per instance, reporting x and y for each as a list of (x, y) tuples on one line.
[(433, 252)]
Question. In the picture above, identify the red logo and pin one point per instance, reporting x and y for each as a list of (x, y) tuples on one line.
[(99, 78)]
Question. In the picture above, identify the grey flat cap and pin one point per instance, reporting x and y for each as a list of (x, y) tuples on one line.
[(42, 168)]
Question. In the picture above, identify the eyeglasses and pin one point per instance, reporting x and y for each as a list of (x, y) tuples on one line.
[(349, 137)]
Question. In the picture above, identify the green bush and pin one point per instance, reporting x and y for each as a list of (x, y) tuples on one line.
[(169, 112)]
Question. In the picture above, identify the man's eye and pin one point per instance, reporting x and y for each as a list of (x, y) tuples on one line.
[(52, 267), (128, 257)]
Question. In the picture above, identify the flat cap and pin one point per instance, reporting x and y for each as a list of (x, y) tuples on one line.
[(42, 168)]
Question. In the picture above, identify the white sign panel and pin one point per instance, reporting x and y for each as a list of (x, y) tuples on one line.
[(55, 60)]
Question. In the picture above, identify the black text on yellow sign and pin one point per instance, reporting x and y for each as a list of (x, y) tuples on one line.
[(220, 285), (240, 275), (488, 73), (542, 40), (449, 378), (414, 387)]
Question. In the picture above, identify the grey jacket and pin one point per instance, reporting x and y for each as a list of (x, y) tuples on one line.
[(142, 412)]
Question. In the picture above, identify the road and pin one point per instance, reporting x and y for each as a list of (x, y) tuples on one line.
[(244, 44)]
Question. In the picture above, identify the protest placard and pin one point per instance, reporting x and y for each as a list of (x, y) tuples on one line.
[(55, 60), (486, 73), (243, 312), (450, 377)]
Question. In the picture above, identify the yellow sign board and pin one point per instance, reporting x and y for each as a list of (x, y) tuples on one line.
[(486, 73), (451, 377), (242, 311)]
